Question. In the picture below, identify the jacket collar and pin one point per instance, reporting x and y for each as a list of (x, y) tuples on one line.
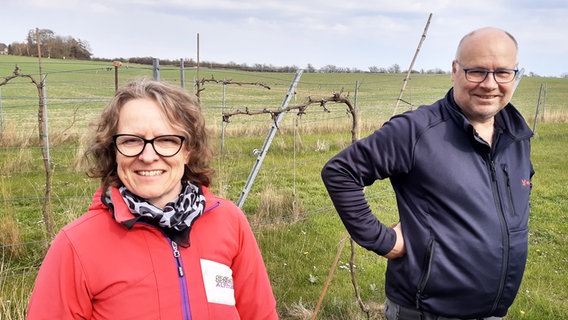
[(509, 120)]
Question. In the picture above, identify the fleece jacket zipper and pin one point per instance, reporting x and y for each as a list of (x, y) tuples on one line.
[(184, 292), (186, 310), (504, 231)]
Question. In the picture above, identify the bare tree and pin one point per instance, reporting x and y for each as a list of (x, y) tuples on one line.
[(51, 46)]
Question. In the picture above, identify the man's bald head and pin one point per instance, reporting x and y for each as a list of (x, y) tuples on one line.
[(484, 34)]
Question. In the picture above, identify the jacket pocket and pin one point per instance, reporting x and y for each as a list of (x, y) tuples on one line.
[(425, 275), (509, 191), (517, 190)]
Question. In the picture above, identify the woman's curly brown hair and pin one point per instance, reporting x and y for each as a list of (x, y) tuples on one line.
[(183, 112)]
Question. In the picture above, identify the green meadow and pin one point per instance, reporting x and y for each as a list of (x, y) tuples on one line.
[(312, 266)]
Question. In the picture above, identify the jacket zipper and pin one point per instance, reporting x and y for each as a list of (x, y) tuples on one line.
[(182, 282), (504, 232), (509, 191), (426, 273), (186, 307)]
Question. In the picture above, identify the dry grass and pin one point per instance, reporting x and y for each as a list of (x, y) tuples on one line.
[(298, 310), (21, 160), (12, 135), (9, 230), (10, 236), (555, 116), (13, 302), (277, 206)]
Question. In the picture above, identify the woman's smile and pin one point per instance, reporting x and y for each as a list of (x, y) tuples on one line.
[(149, 173)]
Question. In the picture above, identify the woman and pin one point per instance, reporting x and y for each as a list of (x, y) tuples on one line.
[(155, 242)]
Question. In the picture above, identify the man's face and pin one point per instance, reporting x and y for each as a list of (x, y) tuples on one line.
[(489, 50)]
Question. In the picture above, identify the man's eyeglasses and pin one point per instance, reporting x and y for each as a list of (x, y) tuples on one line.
[(478, 75), (130, 145)]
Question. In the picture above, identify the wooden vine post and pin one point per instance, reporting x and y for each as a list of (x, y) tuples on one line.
[(354, 138), (353, 245), (46, 211), (411, 65)]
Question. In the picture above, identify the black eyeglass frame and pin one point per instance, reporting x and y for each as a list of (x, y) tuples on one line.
[(487, 72), (147, 141)]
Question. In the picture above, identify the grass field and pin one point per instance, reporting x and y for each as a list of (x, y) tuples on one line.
[(297, 229)]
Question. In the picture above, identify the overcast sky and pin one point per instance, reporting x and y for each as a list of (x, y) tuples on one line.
[(355, 34)]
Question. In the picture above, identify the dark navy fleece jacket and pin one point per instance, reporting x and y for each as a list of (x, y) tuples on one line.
[(463, 207)]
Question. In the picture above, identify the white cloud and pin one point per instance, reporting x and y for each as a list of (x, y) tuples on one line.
[(358, 33), (51, 4)]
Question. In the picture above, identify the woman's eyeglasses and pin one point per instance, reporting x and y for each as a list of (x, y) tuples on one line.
[(131, 145)]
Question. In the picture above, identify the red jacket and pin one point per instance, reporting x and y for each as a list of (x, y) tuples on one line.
[(98, 269)]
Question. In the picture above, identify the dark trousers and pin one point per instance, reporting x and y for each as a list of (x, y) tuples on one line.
[(394, 311)]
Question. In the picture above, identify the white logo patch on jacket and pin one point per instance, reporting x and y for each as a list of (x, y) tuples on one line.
[(218, 280)]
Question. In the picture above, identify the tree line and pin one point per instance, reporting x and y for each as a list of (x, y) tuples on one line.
[(67, 47), (52, 46), (257, 67)]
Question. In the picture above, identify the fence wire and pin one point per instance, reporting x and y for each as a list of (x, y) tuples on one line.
[(77, 92)]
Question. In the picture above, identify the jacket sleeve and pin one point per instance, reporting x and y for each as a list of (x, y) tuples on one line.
[(385, 153), (253, 292), (60, 290)]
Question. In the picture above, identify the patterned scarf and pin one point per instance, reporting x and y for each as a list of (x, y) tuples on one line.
[(175, 219)]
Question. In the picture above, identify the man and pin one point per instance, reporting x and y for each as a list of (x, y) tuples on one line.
[(461, 172)]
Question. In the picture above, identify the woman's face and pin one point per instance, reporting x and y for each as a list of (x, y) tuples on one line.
[(149, 175)]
